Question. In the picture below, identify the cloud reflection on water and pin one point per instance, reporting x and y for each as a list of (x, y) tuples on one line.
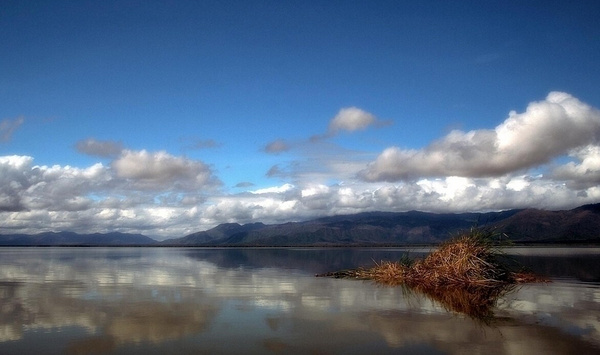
[(149, 298)]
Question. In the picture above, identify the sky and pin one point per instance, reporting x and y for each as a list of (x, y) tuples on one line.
[(168, 118)]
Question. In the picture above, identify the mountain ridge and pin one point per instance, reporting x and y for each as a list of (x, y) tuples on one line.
[(525, 226), (578, 225)]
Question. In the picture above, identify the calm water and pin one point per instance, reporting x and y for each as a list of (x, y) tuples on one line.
[(267, 301)]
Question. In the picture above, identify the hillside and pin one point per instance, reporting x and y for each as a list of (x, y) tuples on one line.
[(219, 233), (381, 228), (580, 225)]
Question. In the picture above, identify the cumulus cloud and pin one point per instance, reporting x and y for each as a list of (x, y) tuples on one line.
[(582, 173), (140, 191), (104, 149), (452, 194), (13, 181), (163, 195), (350, 119), (97, 199), (8, 127), (162, 169), (546, 130), (274, 189), (277, 146), (32, 188)]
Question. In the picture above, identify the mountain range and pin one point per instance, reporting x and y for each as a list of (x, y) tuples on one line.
[(577, 226)]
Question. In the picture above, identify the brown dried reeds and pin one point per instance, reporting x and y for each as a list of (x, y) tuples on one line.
[(467, 274), (468, 260)]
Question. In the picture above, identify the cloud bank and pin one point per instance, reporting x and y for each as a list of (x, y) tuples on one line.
[(140, 190), (545, 157)]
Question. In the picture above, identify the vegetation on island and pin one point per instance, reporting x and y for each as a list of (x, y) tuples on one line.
[(466, 274)]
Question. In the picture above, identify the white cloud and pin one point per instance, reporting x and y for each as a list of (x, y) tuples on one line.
[(546, 130), (16, 161), (275, 189), (585, 172), (351, 119), (95, 199), (13, 181), (452, 194), (163, 195), (156, 197), (160, 169), (315, 190)]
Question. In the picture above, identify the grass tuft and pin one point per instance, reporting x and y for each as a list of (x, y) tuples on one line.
[(467, 274)]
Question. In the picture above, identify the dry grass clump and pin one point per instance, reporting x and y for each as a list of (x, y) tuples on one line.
[(467, 274), (469, 260)]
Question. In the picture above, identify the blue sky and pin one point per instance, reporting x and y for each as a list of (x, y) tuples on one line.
[(169, 118)]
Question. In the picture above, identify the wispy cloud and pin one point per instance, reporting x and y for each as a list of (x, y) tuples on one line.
[(104, 149), (546, 130), (275, 170), (277, 146), (197, 143), (8, 127)]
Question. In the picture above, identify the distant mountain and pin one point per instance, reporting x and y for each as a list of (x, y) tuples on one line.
[(580, 225), (220, 232), (74, 239), (381, 228)]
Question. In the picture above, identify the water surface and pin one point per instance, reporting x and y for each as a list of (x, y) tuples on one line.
[(267, 301)]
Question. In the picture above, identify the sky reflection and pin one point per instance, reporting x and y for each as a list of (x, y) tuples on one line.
[(154, 300)]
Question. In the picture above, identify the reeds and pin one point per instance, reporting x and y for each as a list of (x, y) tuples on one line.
[(467, 274)]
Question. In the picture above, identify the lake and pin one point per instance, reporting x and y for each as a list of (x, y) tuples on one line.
[(268, 301)]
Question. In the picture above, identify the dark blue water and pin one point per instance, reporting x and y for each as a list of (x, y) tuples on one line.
[(268, 301)]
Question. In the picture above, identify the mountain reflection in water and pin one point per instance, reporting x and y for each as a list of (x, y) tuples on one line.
[(159, 300)]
